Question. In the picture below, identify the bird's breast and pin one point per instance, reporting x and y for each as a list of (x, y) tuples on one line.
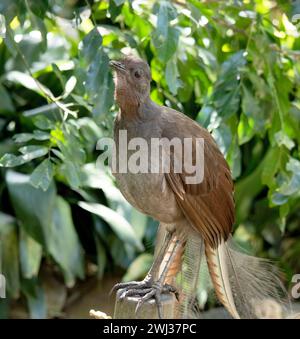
[(142, 183)]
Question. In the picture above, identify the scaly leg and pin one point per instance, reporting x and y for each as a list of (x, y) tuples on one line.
[(158, 287), (148, 288)]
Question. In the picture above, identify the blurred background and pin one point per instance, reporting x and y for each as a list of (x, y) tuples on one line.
[(66, 233)]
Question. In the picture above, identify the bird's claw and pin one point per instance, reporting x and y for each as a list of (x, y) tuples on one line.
[(156, 291), (127, 285), (145, 290)]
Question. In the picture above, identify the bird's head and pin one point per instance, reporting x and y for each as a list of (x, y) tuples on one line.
[(132, 81)]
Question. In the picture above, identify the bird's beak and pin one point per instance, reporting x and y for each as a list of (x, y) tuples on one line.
[(117, 66)]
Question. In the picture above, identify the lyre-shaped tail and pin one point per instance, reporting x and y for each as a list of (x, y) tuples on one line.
[(241, 281)]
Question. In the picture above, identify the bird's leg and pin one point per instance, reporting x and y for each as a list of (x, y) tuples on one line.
[(140, 287), (158, 287), (149, 287)]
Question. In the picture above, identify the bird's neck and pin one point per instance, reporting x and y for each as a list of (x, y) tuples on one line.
[(135, 110)]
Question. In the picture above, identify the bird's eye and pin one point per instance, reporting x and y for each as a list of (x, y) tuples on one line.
[(137, 74)]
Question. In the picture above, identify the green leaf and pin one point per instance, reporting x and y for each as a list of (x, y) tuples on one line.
[(9, 255), (63, 243), (35, 296), (33, 207), (283, 140), (33, 151), (42, 122), (29, 153), (42, 176), (6, 102), (293, 185), (69, 87), (100, 84), (245, 129), (91, 44), (48, 109), (223, 137), (40, 135), (71, 171), (30, 255), (104, 99), (101, 256), (226, 95), (253, 111), (234, 159), (139, 268), (279, 199), (271, 167), (114, 9), (11, 160), (28, 82), (165, 37), (138, 221), (119, 225), (172, 76), (22, 137), (38, 7)]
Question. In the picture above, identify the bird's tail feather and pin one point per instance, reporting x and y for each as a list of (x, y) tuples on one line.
[(188, 278), (242, 281)]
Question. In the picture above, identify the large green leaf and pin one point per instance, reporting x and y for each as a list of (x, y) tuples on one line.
[(36, 135), (28, 153), (35, 296), (29, 82), (30, 255), (33, 207), (172, 76), (165, 37), (271, 166), (99, 84), (63, 243), (227, 92), (120, 225), (42, 176), (139, 267), (9, 254), (91, 44), (253, 111)]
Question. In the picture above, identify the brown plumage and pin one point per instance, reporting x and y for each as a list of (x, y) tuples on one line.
[(209, 206), (190, 214)]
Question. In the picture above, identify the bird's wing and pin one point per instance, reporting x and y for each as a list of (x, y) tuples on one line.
[(209, 205)]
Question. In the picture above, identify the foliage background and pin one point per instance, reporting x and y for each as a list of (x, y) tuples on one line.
[(233, 66)]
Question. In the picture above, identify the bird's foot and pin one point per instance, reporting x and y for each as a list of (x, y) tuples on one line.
[(145, 290)]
